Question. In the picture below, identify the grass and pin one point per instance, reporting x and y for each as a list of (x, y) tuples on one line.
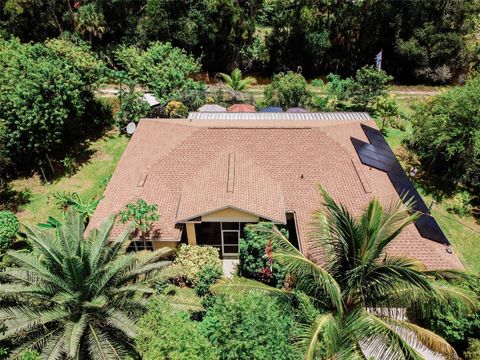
[(462, 231), (89, 181)]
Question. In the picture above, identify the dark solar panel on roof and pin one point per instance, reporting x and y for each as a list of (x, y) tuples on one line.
[(379, 155)]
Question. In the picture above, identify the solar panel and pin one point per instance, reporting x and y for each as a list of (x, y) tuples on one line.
[(428, 228), (379, 155)]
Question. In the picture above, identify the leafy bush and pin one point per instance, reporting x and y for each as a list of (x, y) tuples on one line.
[(385, 108), (287, 90), (206, 278), (69, 165), (446, 133), (193, 259), (142, 214), (254, 260), (368, 85), (65, 200), (175, 109), (165, 334), (473, 350), (461, 204), (132, 107), (335, 93), (9, 226), (249, 326)]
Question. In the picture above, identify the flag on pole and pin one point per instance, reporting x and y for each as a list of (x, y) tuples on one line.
[(378, 60)]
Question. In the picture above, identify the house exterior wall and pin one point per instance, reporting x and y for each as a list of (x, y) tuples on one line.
[(229, 215)]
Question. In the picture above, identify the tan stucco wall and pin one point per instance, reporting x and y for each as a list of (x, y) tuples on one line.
[(161, 244), (230, 215)]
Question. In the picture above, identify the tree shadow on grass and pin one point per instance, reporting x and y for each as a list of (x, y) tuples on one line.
[(13, 200)]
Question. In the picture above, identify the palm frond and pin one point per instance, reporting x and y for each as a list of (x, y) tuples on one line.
[(102, 347), (123, 322), (308, 335), (419, 336), (74, 334)]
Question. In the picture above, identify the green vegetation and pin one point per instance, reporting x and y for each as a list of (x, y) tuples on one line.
[(255, 260), (89, 182), (163, 69), (132, 106), (75, 296), (287, 90), (235, 80), (357, 275), (142, 214), (446, 136), (9, 226), (165, 334), (46, 100), (249, 326), (192, 259)]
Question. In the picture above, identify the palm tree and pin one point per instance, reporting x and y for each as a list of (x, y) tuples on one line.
[(90, 21), (360, 290), (76, 297), (235, 82)]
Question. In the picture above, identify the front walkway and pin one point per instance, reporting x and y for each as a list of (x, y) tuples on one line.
[(229, 267)]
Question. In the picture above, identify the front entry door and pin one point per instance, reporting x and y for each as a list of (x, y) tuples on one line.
[(230, 239)]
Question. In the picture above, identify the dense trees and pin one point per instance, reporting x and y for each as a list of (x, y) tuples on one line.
[(421, 40), (46, 98), (446, 135)]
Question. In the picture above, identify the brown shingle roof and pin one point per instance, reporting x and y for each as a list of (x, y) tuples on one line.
[(185, 166)]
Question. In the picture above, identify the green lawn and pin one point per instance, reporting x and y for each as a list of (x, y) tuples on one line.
[(89, 181)]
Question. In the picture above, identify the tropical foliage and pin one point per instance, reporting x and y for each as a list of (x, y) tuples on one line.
[(255, 260), (446, 135), (249, 326), (358, 288), (236, 82), (77, 297), (132, 106), (161, 68), (421, 40), (85, 208), (142, 214), (193, 259), (287, 90), (46, 99), (168, 334), (9, 226)]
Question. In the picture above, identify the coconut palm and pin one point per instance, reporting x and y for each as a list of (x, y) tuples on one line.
[(235, 82), (76, 297), (360, 290)]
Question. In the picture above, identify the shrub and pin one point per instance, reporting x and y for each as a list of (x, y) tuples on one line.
[(175, 109), (254, 262), (69, 165), (9, 226), (461, 204), (164, 334), (205, 278), (193, 259), (249, 326), (385, 108), (473, 350), (132, 106), (287, 90), (368, 85)]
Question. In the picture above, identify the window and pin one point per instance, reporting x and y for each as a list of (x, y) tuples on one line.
[(138, 245)]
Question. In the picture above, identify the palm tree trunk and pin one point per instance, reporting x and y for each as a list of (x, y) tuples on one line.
[(72, 15)]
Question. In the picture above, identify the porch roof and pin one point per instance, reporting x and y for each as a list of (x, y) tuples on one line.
[(232, 180)]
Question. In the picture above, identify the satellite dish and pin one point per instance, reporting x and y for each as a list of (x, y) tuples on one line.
[(131, 128)]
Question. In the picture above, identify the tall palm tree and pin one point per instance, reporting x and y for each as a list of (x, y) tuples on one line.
[(360, 289), (76, 297), (235, 82)]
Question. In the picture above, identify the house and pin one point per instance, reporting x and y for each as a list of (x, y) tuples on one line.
[(212, 174)]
